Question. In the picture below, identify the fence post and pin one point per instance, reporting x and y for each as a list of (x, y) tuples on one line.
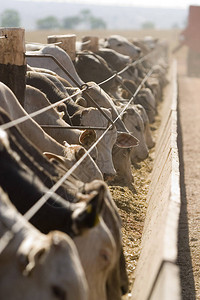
[(12, 60), (67, 43), (90, 43)]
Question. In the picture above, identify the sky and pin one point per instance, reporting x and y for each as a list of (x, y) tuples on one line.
[(145, 3)]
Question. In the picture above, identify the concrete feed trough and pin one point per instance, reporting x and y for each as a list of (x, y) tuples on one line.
[(157, 274)]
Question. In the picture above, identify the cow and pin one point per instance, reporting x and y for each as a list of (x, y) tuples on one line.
[(35, 100), (144, 97), (43, 141), (123, 46), (105, 248), (114, 59), (24, 189), (135, 125), (97, 71), (147, 131), (103, 258), (34, 265), (93, 117), (77, 114), (117, 281), (121, 155), (50, 64)]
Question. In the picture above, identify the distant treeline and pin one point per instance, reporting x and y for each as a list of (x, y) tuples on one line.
[(84, 20)]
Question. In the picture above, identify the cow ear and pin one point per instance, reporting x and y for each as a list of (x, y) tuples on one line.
[(29, 261), (81, 101), (124, 115), (79, 153), (87, 137), (88, 216), (126, 140)]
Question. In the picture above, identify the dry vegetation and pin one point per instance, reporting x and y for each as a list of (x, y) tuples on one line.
[(41, 36), (132, 207)]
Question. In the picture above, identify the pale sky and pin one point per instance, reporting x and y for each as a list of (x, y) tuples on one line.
[(147, 3)]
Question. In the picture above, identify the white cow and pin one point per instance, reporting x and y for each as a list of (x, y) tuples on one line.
[(36, 100), (43, 141), (93, 117), (135, 125), (36, 266), (50, 64), (147, 131), (122, 45)]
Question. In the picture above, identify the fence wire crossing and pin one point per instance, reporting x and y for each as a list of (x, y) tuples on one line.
[(9, 234)]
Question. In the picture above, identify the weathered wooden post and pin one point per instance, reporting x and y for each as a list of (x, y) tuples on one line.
[(90, 43), (12, 60), (67, 43)]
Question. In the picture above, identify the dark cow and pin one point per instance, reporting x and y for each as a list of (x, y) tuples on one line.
[(25, 189)]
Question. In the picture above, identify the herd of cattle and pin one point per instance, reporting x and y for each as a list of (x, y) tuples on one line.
[(60, 230)]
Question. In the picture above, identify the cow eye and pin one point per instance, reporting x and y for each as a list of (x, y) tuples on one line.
[(119, 45), (59, 293), (137, 128)]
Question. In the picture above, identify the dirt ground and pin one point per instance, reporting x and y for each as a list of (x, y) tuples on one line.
[(189, 142)]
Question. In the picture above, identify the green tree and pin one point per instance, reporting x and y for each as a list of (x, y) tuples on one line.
[(97, 23), (71, 22), (10, 18), (148, 25), (49, 22)]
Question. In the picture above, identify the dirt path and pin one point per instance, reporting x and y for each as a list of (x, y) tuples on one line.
[(189, 142)]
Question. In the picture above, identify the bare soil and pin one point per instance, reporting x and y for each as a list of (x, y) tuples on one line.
[(189, 144)]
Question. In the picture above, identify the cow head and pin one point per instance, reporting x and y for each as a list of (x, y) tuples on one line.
[(123, 46), (86, 171)]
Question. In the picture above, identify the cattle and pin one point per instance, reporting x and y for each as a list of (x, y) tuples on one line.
[(121, 155), (147, 131), (123, 46), (144, 97), (97, 71), (114, 274), (89, 117), (37, 266), (117, 282), (25, 189), (42, 140), (50, 64), (77, 113), (96, 261), (135, 125), (114, 59), (92, 116)]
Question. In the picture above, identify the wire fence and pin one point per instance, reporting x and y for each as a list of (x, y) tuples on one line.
[(8, 235)]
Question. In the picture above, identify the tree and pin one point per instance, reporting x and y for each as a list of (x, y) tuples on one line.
[(71, 22), (10, 18), (49, 22), (97, 23), (148, 25)]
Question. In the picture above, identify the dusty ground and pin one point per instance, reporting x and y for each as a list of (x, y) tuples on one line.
[(189, 142)]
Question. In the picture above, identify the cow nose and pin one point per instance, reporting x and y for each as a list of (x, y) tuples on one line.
[(108, 177)]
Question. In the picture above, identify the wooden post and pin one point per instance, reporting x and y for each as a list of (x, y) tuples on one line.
[(90, 43), (12, 60), (68, 43)]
